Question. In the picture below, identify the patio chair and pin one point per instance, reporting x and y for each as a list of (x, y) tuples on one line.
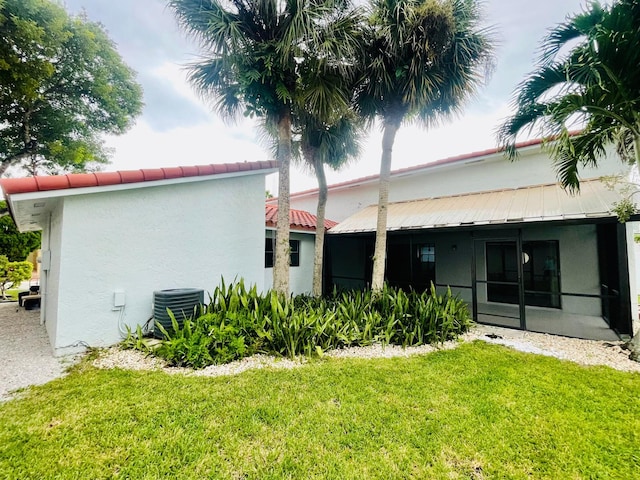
[(30, 298)]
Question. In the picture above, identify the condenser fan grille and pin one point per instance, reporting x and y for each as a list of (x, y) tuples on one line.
[(180, 301)]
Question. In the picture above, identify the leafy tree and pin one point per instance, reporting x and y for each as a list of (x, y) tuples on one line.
[(594, 86), (12, 273), (423, 59), (256, 54), (14, 245), (62, 84)]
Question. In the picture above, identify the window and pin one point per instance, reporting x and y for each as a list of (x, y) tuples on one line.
[(427, 253), (268, 253), (294, 251), (409, 265), (424, 270)]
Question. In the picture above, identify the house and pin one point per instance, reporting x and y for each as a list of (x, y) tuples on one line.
[(111, 239), (503, 235), (302, 248)]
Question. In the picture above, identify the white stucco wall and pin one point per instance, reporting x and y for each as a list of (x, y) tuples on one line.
[(300, 277), (480, 174), (49, 278), (146, 239)]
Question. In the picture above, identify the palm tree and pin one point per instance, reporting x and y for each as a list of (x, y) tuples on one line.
[(423, 59), (317, 144), (255, 54), (594, 87), (333, 145)]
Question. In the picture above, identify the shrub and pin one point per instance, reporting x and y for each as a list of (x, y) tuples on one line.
[(135, 340), (238, 321), (227, 343), (432, 318), (186, 345)]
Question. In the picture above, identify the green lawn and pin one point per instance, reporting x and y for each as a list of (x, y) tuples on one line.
[(477, 412)]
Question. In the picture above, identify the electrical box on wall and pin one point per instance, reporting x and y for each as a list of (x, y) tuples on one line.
[(118, 299), (45, 260)]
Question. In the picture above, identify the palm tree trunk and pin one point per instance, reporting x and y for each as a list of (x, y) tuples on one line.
[(282, 249), (318, 257), (380, 252)]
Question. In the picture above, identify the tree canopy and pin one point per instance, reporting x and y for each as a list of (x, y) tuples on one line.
[(588, 98), (14, 245), (62, 85), (12, 273)]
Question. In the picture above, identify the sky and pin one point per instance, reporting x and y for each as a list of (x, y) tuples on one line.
[(179, 128)]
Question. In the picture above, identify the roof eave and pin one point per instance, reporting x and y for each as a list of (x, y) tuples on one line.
[(67, 192)]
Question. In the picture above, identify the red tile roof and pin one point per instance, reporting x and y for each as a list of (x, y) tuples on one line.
[(443, 161), (99, 179), (298, 219)]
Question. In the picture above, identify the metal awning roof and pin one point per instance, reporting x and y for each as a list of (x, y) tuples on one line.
[(540, 203)]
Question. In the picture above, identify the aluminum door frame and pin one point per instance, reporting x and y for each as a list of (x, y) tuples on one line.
[(517, 240)]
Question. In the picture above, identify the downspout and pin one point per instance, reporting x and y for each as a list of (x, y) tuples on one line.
[(44, 274)]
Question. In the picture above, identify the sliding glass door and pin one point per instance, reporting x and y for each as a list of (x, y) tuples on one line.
[(540, 273), (497, 288)]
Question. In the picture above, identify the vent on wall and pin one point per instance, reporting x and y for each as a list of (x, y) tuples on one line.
[(181, 301)]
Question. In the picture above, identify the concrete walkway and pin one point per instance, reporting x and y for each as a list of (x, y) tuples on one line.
[(25, 353), (547, 320)]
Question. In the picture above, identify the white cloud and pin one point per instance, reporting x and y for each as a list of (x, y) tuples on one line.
[(176, 75), (208, 143)]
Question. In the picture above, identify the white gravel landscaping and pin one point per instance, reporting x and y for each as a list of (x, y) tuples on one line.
[(27, 358), (584, 352)]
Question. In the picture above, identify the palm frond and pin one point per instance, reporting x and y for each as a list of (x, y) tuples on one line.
[(256, 52), (572, 151), (595, 86), (424, 59), (575, 27)]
